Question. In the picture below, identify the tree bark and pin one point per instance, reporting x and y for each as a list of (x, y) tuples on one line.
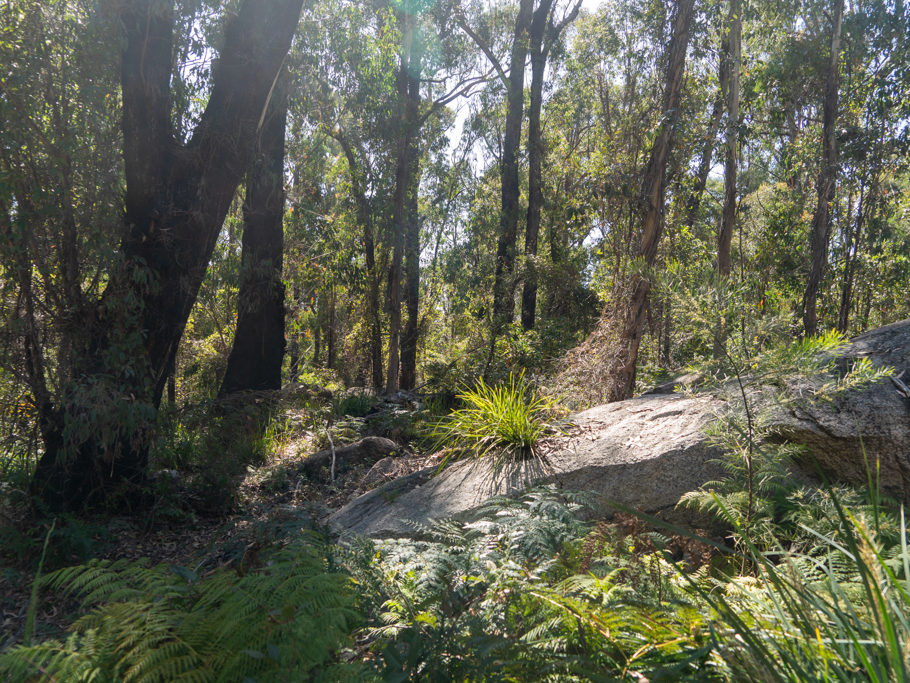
[(503, 301), (177, 196), (827, 179), (331, 332), (535, 160), (254, 363), (411, 333), (652, 197), (405, 168), (729, 80)]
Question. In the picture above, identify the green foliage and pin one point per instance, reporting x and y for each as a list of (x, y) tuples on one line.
[(838, 611), (354, 404), (519, 589), (757, 380), (212, 444), (505, 421), (496, 597), (284, 621)]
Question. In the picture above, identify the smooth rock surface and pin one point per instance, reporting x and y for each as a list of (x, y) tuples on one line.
[(647, 452), (644, 453)]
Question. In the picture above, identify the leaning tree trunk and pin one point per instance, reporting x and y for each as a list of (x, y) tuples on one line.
[(827, 179), (622, 374), (177, 197), (258, 351)]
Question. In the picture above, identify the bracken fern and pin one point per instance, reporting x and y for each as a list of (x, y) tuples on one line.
[(284, 621)]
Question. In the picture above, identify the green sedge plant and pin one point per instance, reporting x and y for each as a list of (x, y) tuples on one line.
[(505, 421)]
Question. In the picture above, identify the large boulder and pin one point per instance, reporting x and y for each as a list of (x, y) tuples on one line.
[(645, 453)]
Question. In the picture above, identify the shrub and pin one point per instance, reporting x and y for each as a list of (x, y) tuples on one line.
[(506, 421), (285, 621)]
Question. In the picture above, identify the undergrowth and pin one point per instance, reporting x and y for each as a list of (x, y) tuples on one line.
[(521, 590), (504, 421), (811, 583)]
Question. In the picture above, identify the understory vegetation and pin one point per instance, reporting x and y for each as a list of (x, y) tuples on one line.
[(523, 590), (794, 583)]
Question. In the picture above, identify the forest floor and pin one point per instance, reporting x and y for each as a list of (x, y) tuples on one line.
[(272, 502)]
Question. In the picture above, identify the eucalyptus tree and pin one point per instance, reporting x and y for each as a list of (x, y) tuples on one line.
[(543, 33), (653, 188), (435, 70), (827, 175), (730, 65), (257, 353), (346, 91), (96, 426), (513, 83)]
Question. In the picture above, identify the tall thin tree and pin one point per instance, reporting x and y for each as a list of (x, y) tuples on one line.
[(544, 32), (827, 178), (653, 189)]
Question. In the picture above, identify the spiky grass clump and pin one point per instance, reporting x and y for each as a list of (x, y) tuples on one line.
[(505, 421)]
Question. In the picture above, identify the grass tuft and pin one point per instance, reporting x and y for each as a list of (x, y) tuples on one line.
[(503, 421)]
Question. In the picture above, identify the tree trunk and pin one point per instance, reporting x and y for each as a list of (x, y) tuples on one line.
[(704, 166), (538, 51), (404, 169), (177, 197), (729, 80), (851, 254), (365, 218), (827, 178), (503, 301), (257, 354), (317, 329), (652, 197), (411, 333), (330, 332)]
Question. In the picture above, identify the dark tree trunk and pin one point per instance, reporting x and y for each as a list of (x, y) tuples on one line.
[(177, 197), (331, 333), (411, 333), (402, 348), (729, 80), (257, 354), (653, 191), (503, 300), (399, 212), (535, 161), (827, 180)]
